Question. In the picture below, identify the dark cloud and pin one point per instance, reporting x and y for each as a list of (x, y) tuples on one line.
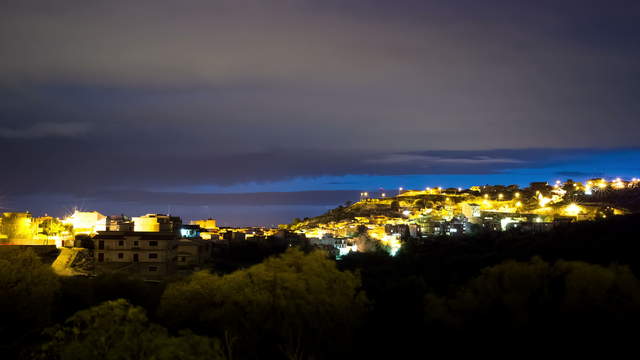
[(294, 198), (580, 174), (43, 130)]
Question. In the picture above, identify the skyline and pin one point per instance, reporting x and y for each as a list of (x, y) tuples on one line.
[(273, 111)]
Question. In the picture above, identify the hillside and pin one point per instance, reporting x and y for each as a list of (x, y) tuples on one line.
[(543, 200)]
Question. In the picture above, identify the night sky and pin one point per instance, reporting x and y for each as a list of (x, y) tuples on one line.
[(255, 112)]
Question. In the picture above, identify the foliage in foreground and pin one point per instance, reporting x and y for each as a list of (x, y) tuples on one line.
[(297, 304), (117, 330), (27, 294), (571, 295)]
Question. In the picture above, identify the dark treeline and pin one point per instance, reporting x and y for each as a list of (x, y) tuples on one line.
[(575, 287)]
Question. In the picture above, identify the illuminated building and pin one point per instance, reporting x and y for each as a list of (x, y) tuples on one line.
[(210, 228), (17, 227), (208, 224), (471, 210), (145, 254), (190, 231), (157, 223), (85, 222)]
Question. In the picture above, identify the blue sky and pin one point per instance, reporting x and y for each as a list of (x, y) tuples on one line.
[(263, 203)]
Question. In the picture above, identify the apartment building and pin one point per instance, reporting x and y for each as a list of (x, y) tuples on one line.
[(150, 255)]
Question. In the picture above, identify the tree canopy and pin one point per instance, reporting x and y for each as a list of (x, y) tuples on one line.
[(516, 295), (28, 288), (117, 330), (300, 303)]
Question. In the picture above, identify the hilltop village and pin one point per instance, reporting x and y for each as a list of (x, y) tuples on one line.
[(384, 219), (155, 246)]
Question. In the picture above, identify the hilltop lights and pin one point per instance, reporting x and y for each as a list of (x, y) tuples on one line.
[(517, 195), (617, 184)]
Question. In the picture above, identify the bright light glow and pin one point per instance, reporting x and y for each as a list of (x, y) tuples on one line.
[(517, 194), (85, 222), (506, 221), (573, 210), (543, 201), (393, 242), (618, 184), (406, 213)]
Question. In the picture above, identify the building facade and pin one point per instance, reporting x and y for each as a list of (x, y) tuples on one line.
[(150, 255)]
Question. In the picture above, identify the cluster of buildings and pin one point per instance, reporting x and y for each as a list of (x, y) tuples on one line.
[(152, 245), (157, 245), (436, 212)]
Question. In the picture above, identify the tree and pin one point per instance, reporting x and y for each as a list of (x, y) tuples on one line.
[(28, 288), (117, 330), (297, 304), (528, 295)]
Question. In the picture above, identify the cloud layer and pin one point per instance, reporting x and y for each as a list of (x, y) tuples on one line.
[(163, 94)]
